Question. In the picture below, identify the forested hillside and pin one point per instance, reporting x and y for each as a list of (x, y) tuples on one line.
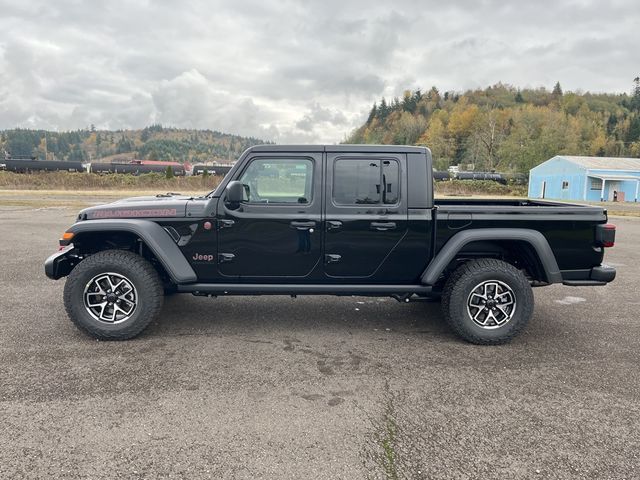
[(506, 129), (153, 143)]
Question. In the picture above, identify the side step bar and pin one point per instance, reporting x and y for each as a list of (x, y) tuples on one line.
[(298, 289)]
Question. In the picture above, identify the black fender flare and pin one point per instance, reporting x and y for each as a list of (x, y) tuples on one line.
[(459, 240), (153, 235)]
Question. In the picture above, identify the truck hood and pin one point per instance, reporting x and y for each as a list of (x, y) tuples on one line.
[(165, 206)]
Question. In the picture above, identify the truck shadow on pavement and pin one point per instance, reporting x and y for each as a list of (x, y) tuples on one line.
[(186, 315), (329, 317)]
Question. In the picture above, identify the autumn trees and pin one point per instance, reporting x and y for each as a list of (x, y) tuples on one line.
[(154, 143), (507, 129)]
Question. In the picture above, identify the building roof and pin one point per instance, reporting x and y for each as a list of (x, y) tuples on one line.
[(602, 176), (605, 163)]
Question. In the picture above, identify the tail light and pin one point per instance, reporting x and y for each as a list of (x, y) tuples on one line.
[(606, 235)]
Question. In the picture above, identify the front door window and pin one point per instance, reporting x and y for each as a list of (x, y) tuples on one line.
[(268, 180)]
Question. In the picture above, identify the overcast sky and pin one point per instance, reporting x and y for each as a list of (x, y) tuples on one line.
[(291, 71)]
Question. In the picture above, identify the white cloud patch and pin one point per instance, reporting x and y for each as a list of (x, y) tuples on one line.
[(190, 100), (290, 71)]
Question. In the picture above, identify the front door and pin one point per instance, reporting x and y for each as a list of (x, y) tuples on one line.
[(275, 232), (366, 212), (614, 191)]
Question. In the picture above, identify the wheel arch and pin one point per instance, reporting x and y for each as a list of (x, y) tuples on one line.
[(98, 233), (525, 245)]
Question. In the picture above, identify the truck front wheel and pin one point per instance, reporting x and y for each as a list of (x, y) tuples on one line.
[(113, 295), (487, 301)]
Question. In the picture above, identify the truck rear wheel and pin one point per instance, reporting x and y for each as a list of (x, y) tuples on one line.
[(487, 301), (113, 295)]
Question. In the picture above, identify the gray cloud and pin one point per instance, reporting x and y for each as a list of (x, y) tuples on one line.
[(290, 71)]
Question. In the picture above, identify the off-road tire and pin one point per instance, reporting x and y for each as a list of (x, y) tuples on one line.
[(135, 268), (460, 285)]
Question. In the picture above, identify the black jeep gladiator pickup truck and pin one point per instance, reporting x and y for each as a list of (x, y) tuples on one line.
[(328, 220)]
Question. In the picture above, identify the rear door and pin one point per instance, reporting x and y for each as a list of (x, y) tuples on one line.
[(365, 212), (276, 231)]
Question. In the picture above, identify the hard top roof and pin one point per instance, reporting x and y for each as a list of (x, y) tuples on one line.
[(339, 148)]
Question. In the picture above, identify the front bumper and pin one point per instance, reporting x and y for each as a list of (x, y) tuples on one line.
[(59, 265), (600, 275)]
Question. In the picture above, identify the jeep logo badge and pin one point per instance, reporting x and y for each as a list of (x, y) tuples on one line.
[(203, 258)]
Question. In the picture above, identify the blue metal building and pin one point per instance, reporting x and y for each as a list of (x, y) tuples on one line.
[(565, 177)]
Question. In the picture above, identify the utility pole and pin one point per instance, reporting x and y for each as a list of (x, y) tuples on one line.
[(45, 146)]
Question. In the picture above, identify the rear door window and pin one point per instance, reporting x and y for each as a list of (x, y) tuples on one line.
[(366, 182)]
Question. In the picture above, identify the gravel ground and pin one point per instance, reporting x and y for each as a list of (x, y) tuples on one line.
[(314, 387)]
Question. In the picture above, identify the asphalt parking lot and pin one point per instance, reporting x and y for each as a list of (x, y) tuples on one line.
[(314, 387)]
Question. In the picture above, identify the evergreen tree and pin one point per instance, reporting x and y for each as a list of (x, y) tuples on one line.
[(633, 134), (612, 122), (77, 154), (634, 104), (144, 135), (383, 111), (372, 113), (124, 145), (557, 90), (169, 172), (409, 102), (98, 142)]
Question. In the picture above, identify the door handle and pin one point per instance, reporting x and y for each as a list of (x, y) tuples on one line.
[(383, 226), (225, 257), (223, 223), (333, 225), (302, 225), (332, 258)]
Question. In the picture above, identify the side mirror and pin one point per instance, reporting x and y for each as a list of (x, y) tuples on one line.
[(234, 194)]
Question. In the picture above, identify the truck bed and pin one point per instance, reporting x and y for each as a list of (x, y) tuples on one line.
[(569, 228)]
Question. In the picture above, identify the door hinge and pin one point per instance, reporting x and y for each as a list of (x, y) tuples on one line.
[(225, 257), (332, 258), (225, 224)]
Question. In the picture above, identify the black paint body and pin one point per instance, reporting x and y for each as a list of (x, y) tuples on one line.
[(322, 242)]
